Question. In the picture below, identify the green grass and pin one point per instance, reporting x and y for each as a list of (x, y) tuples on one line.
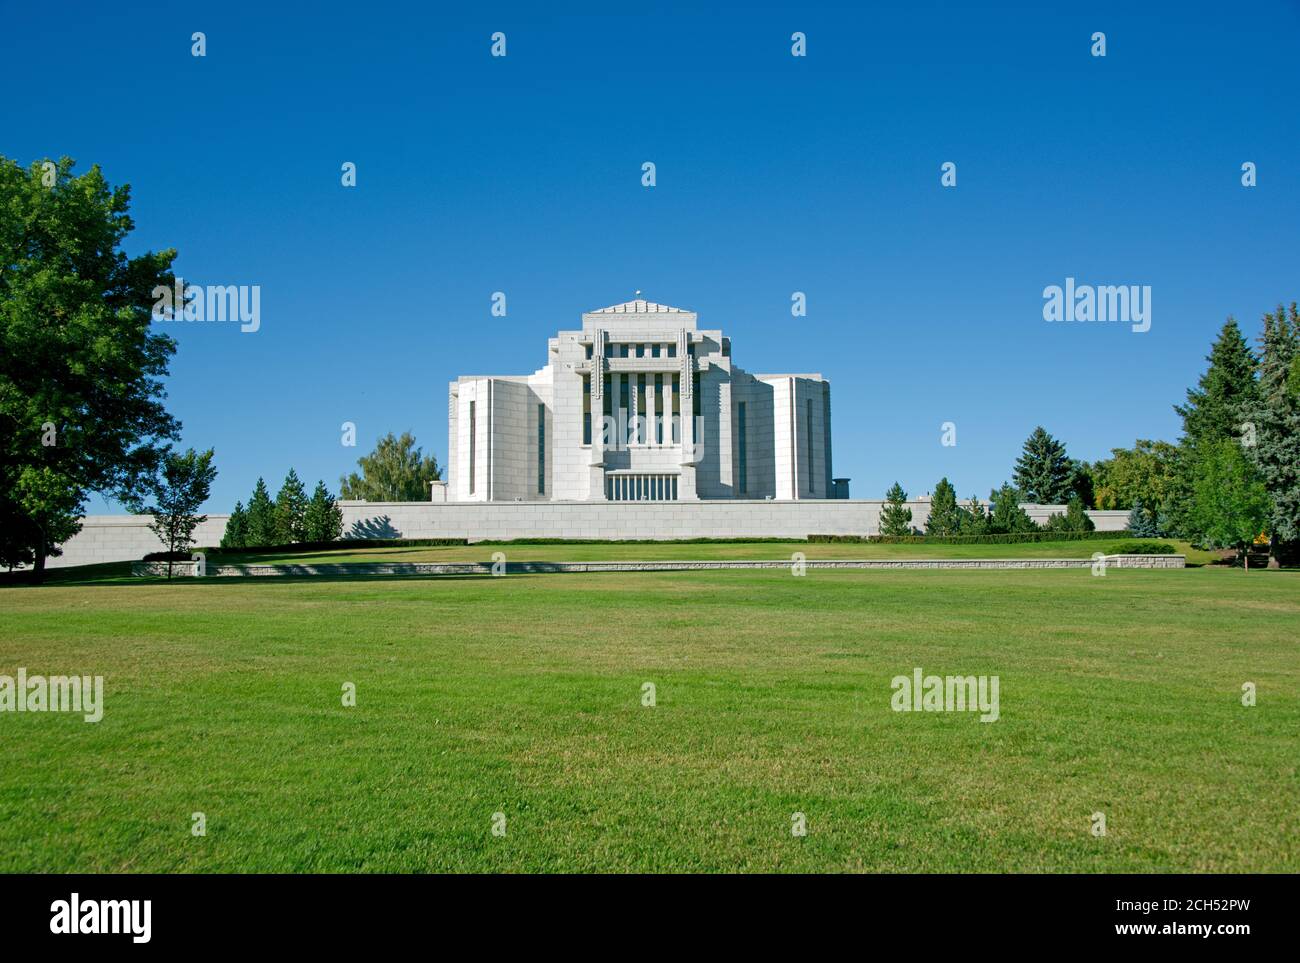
[(651, 551), (523, 695)]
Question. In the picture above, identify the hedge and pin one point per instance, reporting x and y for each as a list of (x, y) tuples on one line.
[(1005, 539)]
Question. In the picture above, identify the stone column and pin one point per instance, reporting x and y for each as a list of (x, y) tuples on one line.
[(686, 483), (596, 465)]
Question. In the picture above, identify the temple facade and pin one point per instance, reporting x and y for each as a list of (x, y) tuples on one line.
[(639, 404)]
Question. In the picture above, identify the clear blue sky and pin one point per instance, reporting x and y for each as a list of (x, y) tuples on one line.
[(775, 175)]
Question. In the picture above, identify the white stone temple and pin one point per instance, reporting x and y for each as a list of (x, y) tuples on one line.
[(639, 405)]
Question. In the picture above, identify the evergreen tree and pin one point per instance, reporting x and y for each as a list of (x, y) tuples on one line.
[(323, 518), (974, 520), (1076, 518), (1044, 473), (1006, 517), (1140, 524), (945, 516), (895, 516), (261, 518), (290, 511), (1216, 408), (1276, 422), (236, 534)]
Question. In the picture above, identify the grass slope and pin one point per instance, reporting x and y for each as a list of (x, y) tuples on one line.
[(522, 695)]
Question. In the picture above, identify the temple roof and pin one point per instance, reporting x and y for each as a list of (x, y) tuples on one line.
[(639, 306)]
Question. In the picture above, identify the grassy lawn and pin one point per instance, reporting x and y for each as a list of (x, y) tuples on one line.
[(522, 695), (652, 551)]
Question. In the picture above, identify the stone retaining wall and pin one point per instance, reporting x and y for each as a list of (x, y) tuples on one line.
[(187, 569)]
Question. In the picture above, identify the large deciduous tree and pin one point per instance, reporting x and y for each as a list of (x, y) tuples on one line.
[(396, 471), (80, 371)]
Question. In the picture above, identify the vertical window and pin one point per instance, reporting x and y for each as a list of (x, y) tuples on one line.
[(812, 477), (586, 409), (472, 446), (589, 351), (658, 400), (641, 409), (541, 449), (676, 413), (672, 350), (742, 463), (654, 351), (624, 404)]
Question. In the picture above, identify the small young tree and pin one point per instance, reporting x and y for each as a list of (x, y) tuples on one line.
[(182, 486), (1006, 516), (895, 517), (1230, 504), (1076, 517), (323, 518), (236, 534), (1044, 472), (1140, 524), (974, 520), (261, 517), (945, 516), (290, 511)]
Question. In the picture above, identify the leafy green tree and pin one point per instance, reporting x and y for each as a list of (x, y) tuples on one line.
[(290, 511), (1006, 517), (1230, 505), (261, 517), (324, 518), (1216, 407), (396, 471), (1276, 422), (182, 486), (236, 534), (945, 516), (895, 516), (80, 371), (1146, 473), (1044, 472)]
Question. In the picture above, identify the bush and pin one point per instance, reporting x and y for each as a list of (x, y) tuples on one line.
[(1137, 546), (168, 557)]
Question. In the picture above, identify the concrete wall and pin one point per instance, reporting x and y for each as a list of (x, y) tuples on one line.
[(115, 538)]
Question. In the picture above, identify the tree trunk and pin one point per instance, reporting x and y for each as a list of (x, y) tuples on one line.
[(38, 568)]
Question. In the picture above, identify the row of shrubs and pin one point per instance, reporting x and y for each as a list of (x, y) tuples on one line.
[(1041, 535)]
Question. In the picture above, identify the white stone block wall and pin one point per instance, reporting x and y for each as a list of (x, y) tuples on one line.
[(116, 538)]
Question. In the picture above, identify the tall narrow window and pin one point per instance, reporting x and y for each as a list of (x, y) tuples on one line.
[(541, 449), (812, 476), (742, 462), (624, 404), (641, 410), (586, 409), (473, 433)]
